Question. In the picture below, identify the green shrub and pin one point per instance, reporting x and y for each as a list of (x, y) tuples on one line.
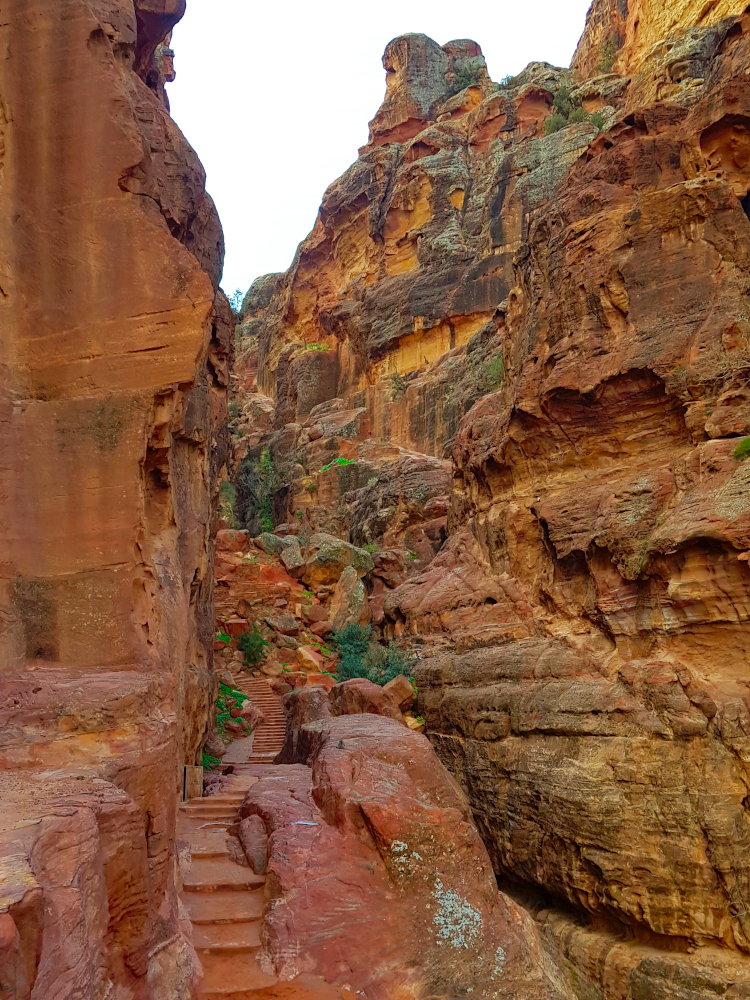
[(317, 345), (223, 637), (468, 75), (370, 547), (567, 110), (607, 56), (228, 504), (742, 451), (398, 386), (258, 481), (252, 645), (208, 761), (555, 123), (339, 461), (494, 371), (362, 657)]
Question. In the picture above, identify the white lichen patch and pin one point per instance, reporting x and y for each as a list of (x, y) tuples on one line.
[(456, 920), (500, 957), (403, 858)]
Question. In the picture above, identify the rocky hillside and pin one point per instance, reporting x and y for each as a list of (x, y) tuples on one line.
[(512, 360), (114, 362)]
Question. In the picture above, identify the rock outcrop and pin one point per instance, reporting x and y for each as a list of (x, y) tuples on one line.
[(559, 308), (114, 360), (378, 879)]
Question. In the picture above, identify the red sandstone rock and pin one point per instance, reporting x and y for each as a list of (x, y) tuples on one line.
[(433, 920), (360, 695), (401, 690)]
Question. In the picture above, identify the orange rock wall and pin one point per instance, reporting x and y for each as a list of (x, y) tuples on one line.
[(582, 612), (114, 370), (628, 29)]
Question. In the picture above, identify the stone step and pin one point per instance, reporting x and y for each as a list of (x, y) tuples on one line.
[(209, 874), (223, 938), (224, 906), (225, 975)]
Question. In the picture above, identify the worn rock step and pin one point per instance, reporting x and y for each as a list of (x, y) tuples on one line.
[(224, 906), (209, 874), (227, 937), (225, 975)]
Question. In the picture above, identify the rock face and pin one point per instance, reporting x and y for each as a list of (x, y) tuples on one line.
[(564, 315), (378, 879), (114, 371), (621, 33)]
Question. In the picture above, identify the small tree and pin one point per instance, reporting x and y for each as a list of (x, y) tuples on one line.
[(236, 299), (252, 645)]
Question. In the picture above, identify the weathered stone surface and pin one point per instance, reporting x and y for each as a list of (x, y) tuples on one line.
[(349, 600), (360, 696), (429, 918), (114, 362), (326, 558), (402, 691), (303, 705), (565, 316)]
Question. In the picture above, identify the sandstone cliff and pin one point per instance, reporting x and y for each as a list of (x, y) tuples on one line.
[(515, 362), (113, 365)]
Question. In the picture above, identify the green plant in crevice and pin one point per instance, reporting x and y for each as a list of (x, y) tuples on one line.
[(742, 451), (494, 372), (567, 110), (252, 645), (228, 504), (371, 547), (468, 75), (608, 55), (208, 762), (398, 386), (258, 481), (361, 656), (340, 462)]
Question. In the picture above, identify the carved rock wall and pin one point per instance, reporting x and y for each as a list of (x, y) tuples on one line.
[(114, 362)]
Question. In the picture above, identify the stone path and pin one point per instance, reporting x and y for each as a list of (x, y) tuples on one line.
[(223, 896)]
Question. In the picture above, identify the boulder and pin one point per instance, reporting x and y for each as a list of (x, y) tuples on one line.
[(349, 601), (401, 690), (271, 544), (291, 555), (326, 558), (285, 623), (358, 696), (301, 706), (378, 828)]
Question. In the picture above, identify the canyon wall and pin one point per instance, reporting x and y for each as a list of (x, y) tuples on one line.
[(114, 364), (515, 362)]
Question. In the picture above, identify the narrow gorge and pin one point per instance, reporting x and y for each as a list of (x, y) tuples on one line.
[(463, 496)]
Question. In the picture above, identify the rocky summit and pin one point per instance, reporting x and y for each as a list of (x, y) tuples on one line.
[(387, 636)]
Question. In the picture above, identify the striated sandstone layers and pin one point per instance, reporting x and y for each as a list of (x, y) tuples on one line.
[(565, 316), (113, 367)]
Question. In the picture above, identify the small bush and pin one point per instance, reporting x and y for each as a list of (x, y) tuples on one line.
[(555, 123), (398, 386), (508, 81), (208, 761), (361, 657), (742, 451), (608, 56), (494, 372), (339, 461), (370, 547), (252, 645), (317, 345), (468, 75)]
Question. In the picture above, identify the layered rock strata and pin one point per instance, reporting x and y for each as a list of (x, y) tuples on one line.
[(377, 878), (114, 371), (564, 316)]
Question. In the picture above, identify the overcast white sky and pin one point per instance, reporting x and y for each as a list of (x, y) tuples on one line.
[(276, 96)]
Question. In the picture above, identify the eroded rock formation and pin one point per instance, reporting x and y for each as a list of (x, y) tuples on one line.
[(114, 369), (564, 317)]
